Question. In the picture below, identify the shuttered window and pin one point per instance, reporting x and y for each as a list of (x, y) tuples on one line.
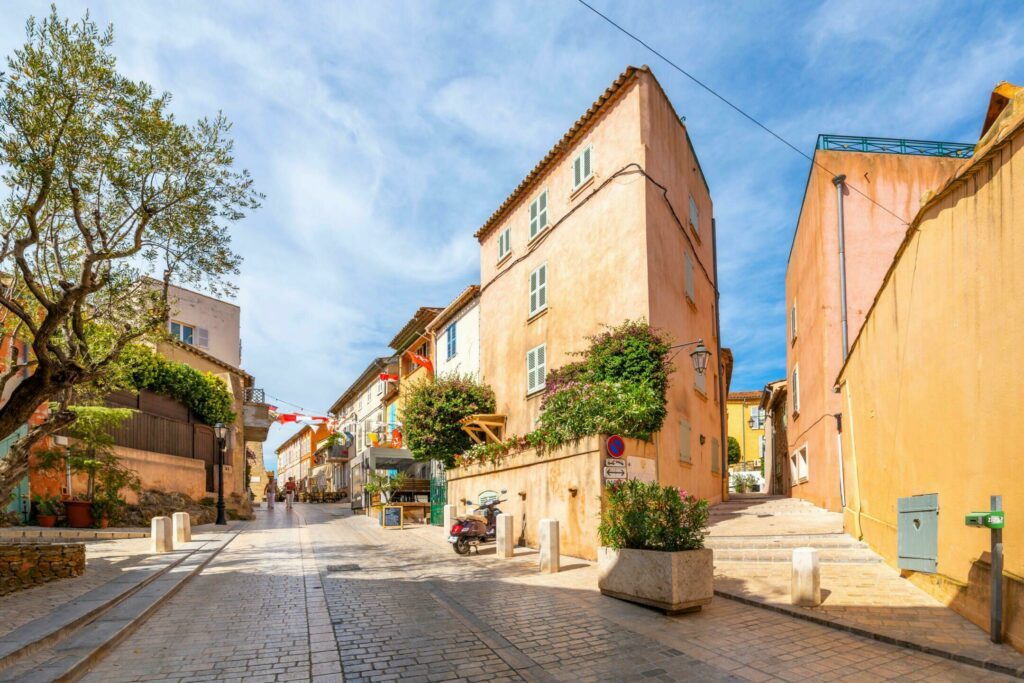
[(795, 389), (536, 366), (716, 456), (504, 243), (694, 216), (700, 381), (688, 275), (582, 167), (539, 290), (538, 214), (451, 340), (685, 452), (792, 322)]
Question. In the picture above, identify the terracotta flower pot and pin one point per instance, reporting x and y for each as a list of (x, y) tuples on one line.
[(104, 522), (47, 520), (79, 513)]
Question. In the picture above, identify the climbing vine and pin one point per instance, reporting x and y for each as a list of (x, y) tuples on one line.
[(206, 394)]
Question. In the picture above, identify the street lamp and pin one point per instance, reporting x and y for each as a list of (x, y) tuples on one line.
[(222, 445), (699, 355)]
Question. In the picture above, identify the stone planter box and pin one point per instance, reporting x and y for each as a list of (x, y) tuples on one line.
[(672, 582)]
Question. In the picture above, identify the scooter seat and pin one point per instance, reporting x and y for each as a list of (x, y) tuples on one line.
[(477, 518)]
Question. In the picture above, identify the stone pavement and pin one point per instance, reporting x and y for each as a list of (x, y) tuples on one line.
[(308, 594), (859, 591)]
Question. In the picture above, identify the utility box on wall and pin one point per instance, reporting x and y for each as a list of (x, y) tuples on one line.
[(917, 533)]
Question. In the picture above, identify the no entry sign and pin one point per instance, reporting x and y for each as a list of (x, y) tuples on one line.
[(616, 446)]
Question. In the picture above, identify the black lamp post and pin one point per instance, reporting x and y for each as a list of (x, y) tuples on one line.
[(222, 445)]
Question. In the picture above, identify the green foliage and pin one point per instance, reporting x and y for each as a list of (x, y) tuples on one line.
[(647, 516), (47, 504), (385, 484), (430, 419), (618, 387), (92, 453), (734, 451), (99, 185), (744, 482), (205, 393)]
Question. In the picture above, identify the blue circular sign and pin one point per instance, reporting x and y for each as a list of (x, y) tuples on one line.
[(616, 446)]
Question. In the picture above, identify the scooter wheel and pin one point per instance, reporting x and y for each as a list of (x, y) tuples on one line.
[(461, 546)]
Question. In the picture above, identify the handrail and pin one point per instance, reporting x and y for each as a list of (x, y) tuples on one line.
[(930, 148)]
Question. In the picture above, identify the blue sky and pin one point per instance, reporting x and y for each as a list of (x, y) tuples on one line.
[(385, 133)]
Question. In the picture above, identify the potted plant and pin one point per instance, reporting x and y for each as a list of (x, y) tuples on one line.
[(47, 509), (91, 453), (652, 547)]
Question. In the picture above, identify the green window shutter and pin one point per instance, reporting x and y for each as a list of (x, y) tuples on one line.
[(533, 292), (542, 211), (586, 162), (542, 287), (541, 365), (531, 369)]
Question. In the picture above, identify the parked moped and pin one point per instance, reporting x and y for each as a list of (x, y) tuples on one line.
[(470, 530)]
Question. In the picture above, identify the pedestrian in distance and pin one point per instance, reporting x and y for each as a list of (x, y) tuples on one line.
[(271, 491), (289, 493)]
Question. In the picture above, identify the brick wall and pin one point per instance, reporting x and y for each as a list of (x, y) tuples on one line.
[(23, 565)]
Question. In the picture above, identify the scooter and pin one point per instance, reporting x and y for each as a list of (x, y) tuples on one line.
[(470, 530)]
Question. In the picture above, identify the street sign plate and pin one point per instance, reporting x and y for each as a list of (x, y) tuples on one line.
[(612, 462), (614, 472), (616, 446)]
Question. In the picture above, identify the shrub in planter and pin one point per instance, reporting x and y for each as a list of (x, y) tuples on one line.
[(652, 552), (47, 509)]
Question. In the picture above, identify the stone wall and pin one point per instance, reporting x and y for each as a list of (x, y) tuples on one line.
[(26, 565)]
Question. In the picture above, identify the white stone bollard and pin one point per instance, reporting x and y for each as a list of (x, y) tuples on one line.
[(450, 513), (805, 588), (504, 537), (549, 550), (182, 527), (161, 534)]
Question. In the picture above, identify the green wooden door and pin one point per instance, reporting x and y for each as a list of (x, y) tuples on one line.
[(438, 495), (20, 502)]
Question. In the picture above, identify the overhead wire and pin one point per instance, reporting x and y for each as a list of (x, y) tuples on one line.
[(738, 110)]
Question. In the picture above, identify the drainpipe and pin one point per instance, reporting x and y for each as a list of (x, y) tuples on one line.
[(839, 445), (721, 368), (839, 181)]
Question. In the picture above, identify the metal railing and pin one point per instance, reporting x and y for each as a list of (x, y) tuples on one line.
[(252, 395), (928, 148)]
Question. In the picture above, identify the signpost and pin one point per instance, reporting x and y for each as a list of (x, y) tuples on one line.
[(993, 519), (615, 472)]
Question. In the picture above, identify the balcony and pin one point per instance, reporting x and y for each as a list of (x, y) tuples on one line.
[(255, 415), (335, 453)]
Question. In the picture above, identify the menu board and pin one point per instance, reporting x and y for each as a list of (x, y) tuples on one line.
[(392, 518)]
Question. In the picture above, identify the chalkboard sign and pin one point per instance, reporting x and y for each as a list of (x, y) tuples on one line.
[(392, 517)]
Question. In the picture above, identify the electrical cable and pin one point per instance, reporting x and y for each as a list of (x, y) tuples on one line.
[(742, 113)]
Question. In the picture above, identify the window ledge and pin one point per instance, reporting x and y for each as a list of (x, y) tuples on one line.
[(538, 314), (531, 241), (535, 393), (691, 302), (584, 185), (696, 233), (504, 258), (703, 394)]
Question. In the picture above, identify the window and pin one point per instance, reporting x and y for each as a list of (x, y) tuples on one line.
[(505, 243), (792, 322), (716, 456), (536, 363), (539, 290), (685, 448), (694, 216), (688, 274), (450, 338), (798, 466), (582, 167), (183, 332), (795, 390), (380, 387), (756, 418), (538, 214), (700, 381)]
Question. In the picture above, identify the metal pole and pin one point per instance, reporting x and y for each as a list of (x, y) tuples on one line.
[(723, 433), (221, 519), (838, 181), (996, 621)]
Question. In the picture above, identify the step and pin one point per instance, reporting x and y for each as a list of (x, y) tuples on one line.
[(778, 542), (80, 632), (34, 533), (785, 555)]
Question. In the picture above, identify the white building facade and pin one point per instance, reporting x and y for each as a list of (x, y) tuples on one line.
[(456, 331)]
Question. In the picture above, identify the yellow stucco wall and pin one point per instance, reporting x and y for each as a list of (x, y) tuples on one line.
[(933, 391), (738, 412), (894, 181)]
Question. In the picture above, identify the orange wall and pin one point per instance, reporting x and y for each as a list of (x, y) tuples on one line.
[(932, 392), (896, 182), (618, 255)]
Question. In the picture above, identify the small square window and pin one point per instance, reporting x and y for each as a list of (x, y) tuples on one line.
[(582, 167), (182, 332), (798, 466)]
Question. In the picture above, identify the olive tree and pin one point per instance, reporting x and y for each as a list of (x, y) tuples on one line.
[(99, 186)]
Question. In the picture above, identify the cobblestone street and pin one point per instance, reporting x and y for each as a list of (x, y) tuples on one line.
[(318, 594)]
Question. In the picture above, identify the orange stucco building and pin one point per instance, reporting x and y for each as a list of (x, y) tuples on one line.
[(615, 223), (882, 183), (932, 390)]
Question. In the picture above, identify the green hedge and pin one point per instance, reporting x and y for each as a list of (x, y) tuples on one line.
[(206, 394)]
